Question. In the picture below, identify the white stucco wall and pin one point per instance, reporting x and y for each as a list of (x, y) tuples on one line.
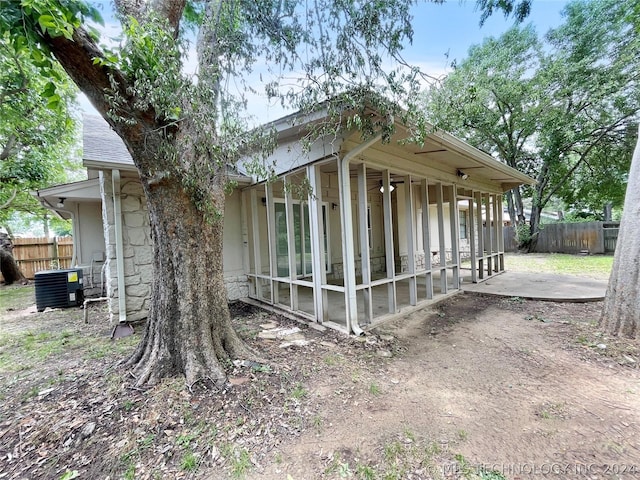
[(90, 244)]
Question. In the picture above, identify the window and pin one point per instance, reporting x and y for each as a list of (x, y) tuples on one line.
[(463, 224), (302, 238)]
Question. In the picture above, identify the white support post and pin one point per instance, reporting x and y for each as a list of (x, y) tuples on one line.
[(388, 239), (426, 237), (365, 259), (472, 239), (271, 232), (291, 248), (255, 230), (317, 244), (480, 265), (500, 234), (348, 251), (411, 251), (496, 237), (441, 239), (454, 219), (244, 229), (346, 219), (488, 240)]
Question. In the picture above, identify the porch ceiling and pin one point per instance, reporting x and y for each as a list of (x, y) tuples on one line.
[(444, 158)]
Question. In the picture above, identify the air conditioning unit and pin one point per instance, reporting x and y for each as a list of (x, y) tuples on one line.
[(59, 288)]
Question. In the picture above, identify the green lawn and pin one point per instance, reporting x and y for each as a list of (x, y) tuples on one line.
[(594, 266), (16, 297)]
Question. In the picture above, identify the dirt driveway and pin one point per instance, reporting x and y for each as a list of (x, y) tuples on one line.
[(475, 387)]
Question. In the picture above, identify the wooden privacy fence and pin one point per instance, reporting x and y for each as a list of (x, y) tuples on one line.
[(36, 254), (592, 237)]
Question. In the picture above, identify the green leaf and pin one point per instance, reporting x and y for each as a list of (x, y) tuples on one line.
[(46, 21), (70, 474)]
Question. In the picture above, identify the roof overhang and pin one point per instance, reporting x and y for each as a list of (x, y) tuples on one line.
[(67, 194)]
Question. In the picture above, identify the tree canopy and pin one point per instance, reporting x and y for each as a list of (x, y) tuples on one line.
[(559, 109), (38, 131)]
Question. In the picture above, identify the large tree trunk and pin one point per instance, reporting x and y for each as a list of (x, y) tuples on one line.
[(189, 327), (534, 227), (621, 311), (8, 266)]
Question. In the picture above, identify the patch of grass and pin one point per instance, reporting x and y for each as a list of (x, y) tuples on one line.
[(262, 368), (516, 300), (17, 297), (365, 472), (594, 266), (491, 475), (24, 350), (393, 451), (146, 442), (409, 435), (374, 389), (185, 439), (332, 359), (338, 467), (550, 410), (189, 462), (463, 435), (298, 392), (238, 459), (130, 472), (537, 317), (317, 423)]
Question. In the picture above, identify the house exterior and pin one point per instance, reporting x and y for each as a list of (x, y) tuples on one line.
[(387, 227)]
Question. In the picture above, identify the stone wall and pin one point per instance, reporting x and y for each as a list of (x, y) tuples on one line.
[(136, 244), (377, 265)]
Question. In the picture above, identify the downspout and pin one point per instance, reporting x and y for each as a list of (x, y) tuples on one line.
[(348, 252), (117, 223), (46, 204)]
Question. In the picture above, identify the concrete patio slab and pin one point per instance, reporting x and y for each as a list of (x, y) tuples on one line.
[(541, 286)]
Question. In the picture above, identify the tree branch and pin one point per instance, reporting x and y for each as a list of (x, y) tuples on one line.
[(171, 10), (8, 202), (583, 155), (132, 8), (7, 150)]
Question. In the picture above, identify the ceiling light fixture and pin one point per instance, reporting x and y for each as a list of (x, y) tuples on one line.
[(462, 175), (60, 203), (391, 187)]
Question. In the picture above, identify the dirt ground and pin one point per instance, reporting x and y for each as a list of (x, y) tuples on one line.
[(475, 387)]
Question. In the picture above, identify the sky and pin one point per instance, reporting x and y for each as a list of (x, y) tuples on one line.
[(451, 28), (442, 33)]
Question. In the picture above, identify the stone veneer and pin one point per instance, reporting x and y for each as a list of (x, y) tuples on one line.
[(136, 245), (378, 263), (138, 251)]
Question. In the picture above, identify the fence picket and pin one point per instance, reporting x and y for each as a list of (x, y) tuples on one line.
[(42, 253), (574, 238)]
